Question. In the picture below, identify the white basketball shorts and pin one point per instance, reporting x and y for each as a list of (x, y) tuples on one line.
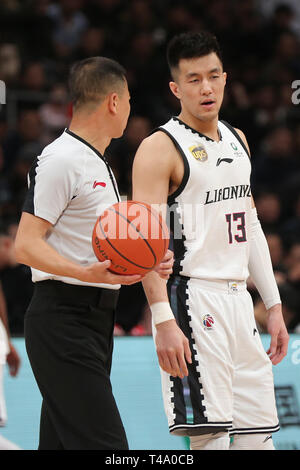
[(230, 383)]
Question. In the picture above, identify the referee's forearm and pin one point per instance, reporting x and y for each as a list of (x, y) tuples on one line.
[(32, 248), (40, 255)]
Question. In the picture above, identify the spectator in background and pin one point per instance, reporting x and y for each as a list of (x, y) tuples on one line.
[(290, 229), (287, 273), (249, 30), (121, 152), (3, 132), (69, 25), (180, 17), (93, 43), (288, 113), (5, 190), (238, 109), (34, 78), (264, 102), (29, 130), (142, 64), (139, 17), (277, 160), (38, 30), (277, 254), (280, 22), (290, 309), (54, 113), (15, 279), (10, 64), (268, 207), (292, 262), (283, 66), (105, 13), (165, 107), (17, 177)]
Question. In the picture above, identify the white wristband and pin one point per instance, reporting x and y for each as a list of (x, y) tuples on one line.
[(161, 311)]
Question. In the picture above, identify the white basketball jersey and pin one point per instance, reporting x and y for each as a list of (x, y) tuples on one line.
[(210, 211)]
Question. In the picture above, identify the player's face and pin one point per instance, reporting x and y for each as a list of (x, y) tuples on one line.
[(200, 86)]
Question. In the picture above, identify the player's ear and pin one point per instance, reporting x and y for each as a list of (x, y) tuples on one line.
[(175, 89)]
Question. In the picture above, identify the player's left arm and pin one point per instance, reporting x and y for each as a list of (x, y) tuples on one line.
[(261, 272)]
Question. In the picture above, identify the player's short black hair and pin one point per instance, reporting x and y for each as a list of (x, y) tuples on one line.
[(190, 46), (92, 79)]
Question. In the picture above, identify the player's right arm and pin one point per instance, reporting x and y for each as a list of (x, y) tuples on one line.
[(153, 169)]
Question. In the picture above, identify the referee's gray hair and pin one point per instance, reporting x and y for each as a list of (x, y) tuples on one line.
[(92, 79)]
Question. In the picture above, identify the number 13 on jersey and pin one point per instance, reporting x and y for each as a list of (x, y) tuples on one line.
[(236, 227)]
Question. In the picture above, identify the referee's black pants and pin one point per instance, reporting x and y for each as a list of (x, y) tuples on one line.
[(69, 342)]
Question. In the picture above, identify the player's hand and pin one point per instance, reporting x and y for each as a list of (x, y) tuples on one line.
[(13, 360), (165, 268), (99, 273), (172, 349), (279, 335)]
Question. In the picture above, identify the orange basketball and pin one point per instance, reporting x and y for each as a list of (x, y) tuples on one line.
[(131, 234)]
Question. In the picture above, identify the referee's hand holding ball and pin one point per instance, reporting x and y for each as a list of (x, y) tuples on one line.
[(32, 248), (99, 272)]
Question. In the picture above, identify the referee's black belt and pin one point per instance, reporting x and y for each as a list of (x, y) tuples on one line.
[(96, 296)]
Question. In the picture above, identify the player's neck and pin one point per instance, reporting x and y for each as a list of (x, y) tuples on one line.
[(208, 128)]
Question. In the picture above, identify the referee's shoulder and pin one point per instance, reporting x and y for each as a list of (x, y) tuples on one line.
[(63, 150)]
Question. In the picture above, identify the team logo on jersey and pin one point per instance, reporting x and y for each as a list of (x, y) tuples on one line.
[(237, 152), (208, 322), (227, 160), (198, 152)]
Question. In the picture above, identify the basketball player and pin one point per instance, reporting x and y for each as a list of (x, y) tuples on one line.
[(216, 377), (69, 323)]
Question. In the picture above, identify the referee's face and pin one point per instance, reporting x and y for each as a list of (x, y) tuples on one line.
[(123, 110)]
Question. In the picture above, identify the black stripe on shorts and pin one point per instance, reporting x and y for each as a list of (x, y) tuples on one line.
[(188, 399)]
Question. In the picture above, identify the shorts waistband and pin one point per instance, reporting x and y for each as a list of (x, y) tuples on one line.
[(96, 296), (230, 287), (227, 286)]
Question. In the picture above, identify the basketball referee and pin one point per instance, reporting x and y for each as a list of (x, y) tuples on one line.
[(69, 322)]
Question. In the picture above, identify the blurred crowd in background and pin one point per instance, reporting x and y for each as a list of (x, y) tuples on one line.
[(40, 39)]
